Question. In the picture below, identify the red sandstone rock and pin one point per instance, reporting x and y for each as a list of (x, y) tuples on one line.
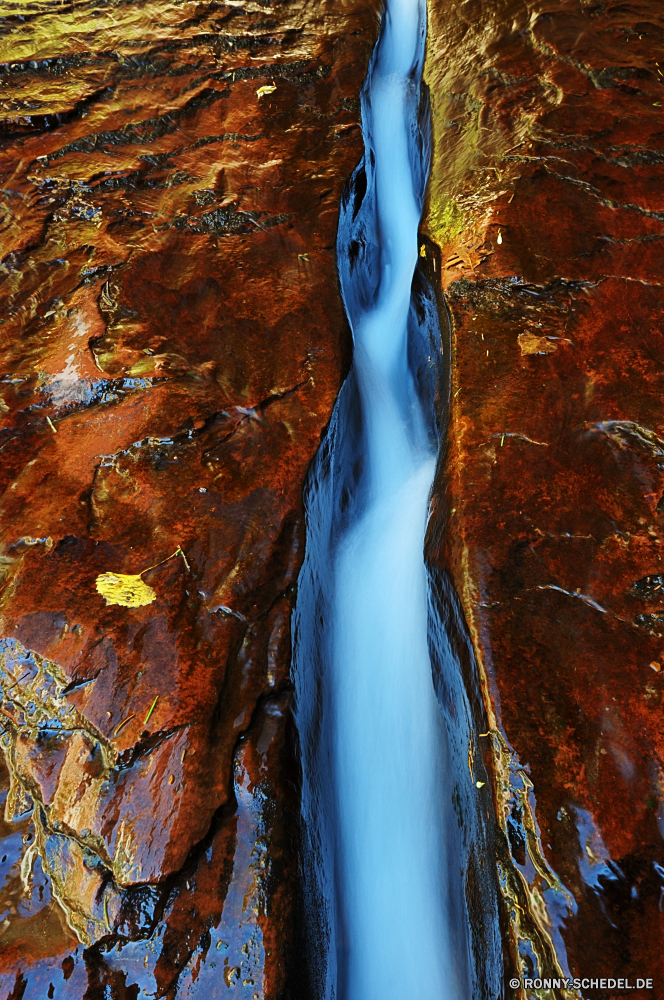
[(549, 131), (171, 343)]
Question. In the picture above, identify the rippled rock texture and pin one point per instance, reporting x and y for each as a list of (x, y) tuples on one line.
[(546, 217), (172, 340)]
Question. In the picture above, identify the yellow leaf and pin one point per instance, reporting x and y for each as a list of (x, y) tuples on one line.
[(269, 88), (124, 589), (530, 343)]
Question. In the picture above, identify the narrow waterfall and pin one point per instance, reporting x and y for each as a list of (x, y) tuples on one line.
[(383, 862)]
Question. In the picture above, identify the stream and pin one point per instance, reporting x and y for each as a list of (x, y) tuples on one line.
[(383, 855)]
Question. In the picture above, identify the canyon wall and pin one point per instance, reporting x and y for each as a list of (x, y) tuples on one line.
[(545, 225), (172, 341)]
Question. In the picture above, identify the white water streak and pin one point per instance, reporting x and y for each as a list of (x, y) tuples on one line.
[(387, 743)]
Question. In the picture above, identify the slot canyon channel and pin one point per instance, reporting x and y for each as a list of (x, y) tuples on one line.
[(332, 499)]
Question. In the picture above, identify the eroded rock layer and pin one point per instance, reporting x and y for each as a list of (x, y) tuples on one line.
[(171, 343), (546, 214)]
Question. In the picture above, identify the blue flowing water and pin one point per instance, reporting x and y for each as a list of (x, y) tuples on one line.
[(387, 741), (382, 859)]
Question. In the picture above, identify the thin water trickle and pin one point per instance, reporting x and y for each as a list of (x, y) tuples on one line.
[(376, 800)]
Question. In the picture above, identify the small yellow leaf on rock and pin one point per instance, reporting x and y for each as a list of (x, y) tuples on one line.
[(269, 88), (530, 343), (124, 589), (423, 250), (480, 784)]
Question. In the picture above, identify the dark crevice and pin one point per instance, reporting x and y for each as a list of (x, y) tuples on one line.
[(143, 132), (147, 743), (76, 684), (35, 124)]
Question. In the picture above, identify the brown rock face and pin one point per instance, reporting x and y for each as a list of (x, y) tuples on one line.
[(172, 341), (546, 205)]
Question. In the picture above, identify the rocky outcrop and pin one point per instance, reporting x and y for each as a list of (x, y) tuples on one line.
[(546, 219), (172, 341)]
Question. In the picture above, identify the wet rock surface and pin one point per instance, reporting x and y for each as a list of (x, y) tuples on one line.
[(546, 223), (171, 343)]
